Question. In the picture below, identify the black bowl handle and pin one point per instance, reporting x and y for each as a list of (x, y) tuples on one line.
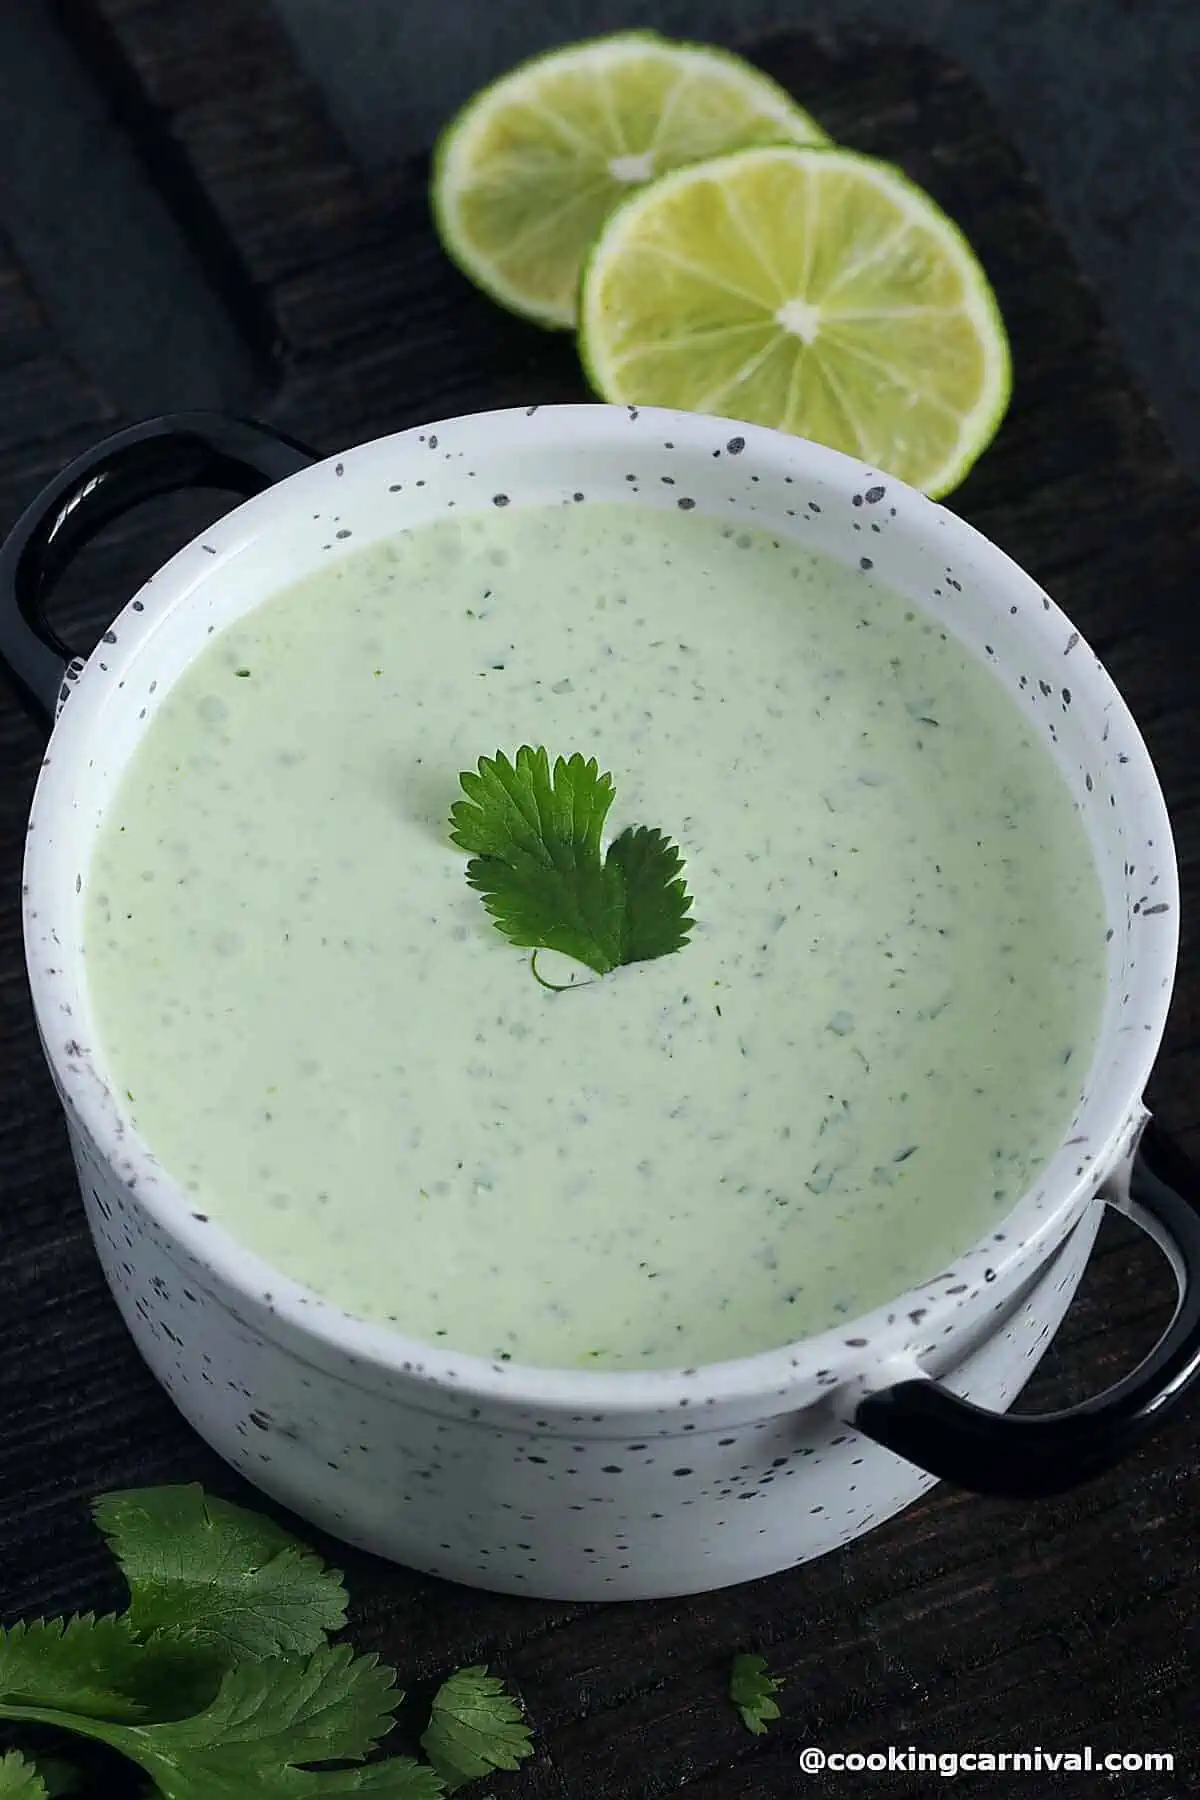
[(1027, 1457), (159, 456)]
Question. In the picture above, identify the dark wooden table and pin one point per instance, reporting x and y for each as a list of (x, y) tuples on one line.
[(962, 1625)]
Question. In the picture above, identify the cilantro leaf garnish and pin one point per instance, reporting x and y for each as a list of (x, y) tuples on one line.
[(85, 1665), (19, 1780), (475, 1728), (199, 1564), (751, 1688), (533, 833)]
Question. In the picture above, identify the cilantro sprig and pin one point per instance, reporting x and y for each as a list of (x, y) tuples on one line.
[(233, 1578), (218, 1680), (475, 1727), (752, 1688), (533, 832)]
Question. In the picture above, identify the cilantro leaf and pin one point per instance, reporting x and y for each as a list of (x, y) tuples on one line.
[(533, 833), (58, 1776), (190, 1684), (399, 1778), (19, 1780), (332, 1705), (524, 806), (655, 918), (85, 1666), (267, 1720), (475, 1727), (179, 1674), (751, 1688), (85, 1670), (232, 1578)]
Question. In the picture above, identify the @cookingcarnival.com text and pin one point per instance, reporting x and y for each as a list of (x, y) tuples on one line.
[(907, 1759)]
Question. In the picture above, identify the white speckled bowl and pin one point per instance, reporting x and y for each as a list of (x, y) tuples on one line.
[(589, 1485)]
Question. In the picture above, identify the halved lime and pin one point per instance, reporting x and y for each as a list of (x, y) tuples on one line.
[(814, 290), (527, 172)]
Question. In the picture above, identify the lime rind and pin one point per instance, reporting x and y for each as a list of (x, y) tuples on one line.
[(454, 162), (977, 424)]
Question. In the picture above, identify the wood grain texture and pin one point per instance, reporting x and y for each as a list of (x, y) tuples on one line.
[(963, 1624)]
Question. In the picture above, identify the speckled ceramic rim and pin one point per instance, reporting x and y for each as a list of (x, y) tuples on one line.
[(308, 1324)]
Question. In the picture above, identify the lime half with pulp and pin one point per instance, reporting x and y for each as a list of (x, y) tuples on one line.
[(813, 290), (527, 173)]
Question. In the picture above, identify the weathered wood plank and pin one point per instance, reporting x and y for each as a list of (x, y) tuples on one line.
[(963, 1623), (43, 394), (222, 81)]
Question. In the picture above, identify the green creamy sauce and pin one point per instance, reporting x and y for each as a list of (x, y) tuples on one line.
[(857, 1065)]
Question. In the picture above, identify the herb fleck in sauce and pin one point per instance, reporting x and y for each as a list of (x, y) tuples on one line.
[(854, 1067)]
